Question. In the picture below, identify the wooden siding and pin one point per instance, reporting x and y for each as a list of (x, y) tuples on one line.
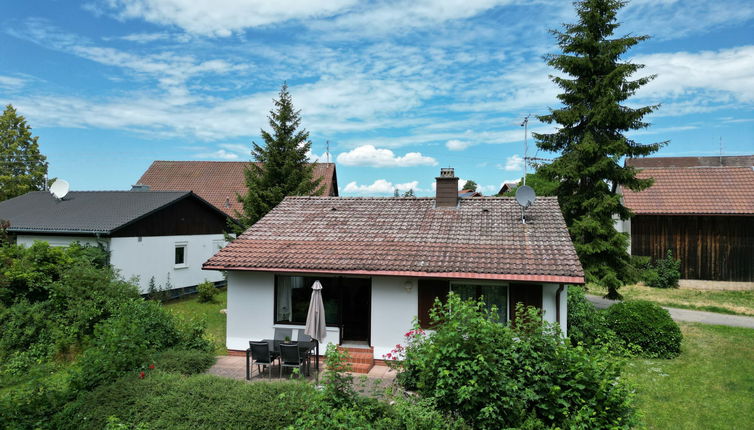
[(719, 248), (185, 217)]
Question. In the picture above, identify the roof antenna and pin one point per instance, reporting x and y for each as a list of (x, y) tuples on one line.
[(525, 125), (721, 151), (327, 152)]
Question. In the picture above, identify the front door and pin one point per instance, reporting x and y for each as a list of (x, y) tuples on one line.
[(526, 294), (356, 306)]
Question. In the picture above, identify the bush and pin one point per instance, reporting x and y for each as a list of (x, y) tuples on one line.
[(665, 273), (206, 292), (635, 271), (647, 326), (183, 361), (31, 403), (495, 376)]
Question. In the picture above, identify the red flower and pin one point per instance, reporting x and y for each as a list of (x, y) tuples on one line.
[(389, 355), (151, 366), (141, 375)]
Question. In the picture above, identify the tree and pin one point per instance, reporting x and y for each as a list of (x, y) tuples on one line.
[(22, 166), (470, 185), (282, 167), (590, 137), (409, 193)]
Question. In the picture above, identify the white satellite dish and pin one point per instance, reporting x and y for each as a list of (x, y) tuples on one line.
[(59, 188), (525, 196)]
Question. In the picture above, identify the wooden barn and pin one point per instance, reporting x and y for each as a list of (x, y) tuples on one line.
[(702, 208)]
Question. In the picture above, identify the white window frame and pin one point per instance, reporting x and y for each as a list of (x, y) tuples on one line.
[(183, 265)]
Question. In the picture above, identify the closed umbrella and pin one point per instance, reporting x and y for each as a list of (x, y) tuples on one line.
[(316, 326)]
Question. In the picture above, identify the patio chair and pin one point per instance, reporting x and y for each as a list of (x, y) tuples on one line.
[(282, 333), (262, 356), (290, 356)]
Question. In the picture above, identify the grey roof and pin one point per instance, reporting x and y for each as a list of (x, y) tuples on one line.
[(85, 212)]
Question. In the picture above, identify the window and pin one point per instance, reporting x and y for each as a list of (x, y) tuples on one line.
[(293, 294), (496, 295), (180, 255)]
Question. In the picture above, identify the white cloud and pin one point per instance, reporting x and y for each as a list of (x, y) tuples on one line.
[(380, 187), (11, 82), (514, 162), (221, 17), (457, 145), (220, 154), (368, 155)]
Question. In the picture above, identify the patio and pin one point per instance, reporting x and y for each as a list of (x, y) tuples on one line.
[(234, 367)]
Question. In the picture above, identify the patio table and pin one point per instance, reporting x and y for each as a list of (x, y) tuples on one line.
[(305, 347)]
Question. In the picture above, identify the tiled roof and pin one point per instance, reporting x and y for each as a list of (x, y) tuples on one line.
[(694, 190), (218, 182), (83, 211), (664, 162), (481, 238)]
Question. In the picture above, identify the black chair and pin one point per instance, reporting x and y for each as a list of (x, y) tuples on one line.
[(291, 356), (282, 333), (262, 356)]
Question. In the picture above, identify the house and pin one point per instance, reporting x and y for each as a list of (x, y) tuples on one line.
[(165, 235), (218, 182), (701, 208), (382, 261), (462, 194), (507, 186)]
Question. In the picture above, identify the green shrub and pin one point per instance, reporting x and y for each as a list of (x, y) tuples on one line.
[(31, 403), (495, 376), (206, 292), (171, 401), (183, 361), (646, 325), (665, 273)]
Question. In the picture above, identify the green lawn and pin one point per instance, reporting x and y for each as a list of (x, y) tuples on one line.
[(209, 312), (709, 386), (728, 302)]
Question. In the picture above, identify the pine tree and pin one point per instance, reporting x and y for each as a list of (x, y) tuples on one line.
[(590, 139), (22, 166), (283, 168)]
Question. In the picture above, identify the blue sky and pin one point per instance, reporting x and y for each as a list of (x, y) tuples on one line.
[(400, 88)]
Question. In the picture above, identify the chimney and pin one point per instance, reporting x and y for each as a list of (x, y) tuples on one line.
[(446, 189)]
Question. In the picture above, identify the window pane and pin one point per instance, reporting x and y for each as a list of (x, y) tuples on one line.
[(180, 254), (293, 294), (497, 295), (465, 291)]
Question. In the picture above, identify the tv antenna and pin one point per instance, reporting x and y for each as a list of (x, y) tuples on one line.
[(59, 189), (327, 152), (525, 197), (525, 125)]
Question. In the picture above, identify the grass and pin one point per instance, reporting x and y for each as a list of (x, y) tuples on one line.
[(709, 386), (726, 302), (208, 312)]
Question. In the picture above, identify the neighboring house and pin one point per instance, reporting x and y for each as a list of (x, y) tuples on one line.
[(702, 208), (162, 234), (382, 261), (507, 187), (468, 193), (218, 182)]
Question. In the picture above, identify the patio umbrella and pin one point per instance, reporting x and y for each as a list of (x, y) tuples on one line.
[(316, 327)]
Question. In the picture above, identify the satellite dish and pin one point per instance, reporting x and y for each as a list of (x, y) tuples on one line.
[(59, 189), (525, 196)]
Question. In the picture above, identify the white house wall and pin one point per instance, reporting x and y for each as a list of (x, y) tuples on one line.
[(28, 240), (154, 256), (395, 302), (549, 294)]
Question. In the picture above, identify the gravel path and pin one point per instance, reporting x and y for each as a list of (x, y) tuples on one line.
[(689, 315)]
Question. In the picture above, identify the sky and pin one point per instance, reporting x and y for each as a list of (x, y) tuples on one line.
[(399, 88)]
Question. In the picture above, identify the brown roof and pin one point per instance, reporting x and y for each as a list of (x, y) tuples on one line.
[(686, 188), (481, 238), (217, 182)]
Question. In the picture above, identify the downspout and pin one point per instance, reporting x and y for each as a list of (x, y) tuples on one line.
[(557, 303)]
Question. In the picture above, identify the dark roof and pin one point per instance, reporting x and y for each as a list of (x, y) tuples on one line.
[(218, 182), (694, 185), (84, 212), (481, 238), (469, 193)]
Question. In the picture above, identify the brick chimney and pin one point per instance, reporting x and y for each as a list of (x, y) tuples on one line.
[(446, 189)]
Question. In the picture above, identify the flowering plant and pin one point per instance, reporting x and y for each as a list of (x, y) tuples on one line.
[(398, 358)]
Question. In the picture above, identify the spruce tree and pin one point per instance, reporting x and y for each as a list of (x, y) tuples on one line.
[(590, 137), (22, 166), (282, 167)]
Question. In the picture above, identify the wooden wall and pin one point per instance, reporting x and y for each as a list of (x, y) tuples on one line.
[(717, 248), (184, 217)]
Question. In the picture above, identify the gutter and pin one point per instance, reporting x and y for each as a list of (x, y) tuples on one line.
[(557, 303)]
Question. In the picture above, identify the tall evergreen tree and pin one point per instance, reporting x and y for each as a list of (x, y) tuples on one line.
[(22, 166), (590, 138), (283, 169)]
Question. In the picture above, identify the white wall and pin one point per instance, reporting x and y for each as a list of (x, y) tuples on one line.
[(251, 304), (549, 293), (155, 256), (623, 227), (28, 240), (393, 311)]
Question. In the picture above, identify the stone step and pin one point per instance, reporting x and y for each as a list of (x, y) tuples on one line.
[(361, 368), (361, 359)]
